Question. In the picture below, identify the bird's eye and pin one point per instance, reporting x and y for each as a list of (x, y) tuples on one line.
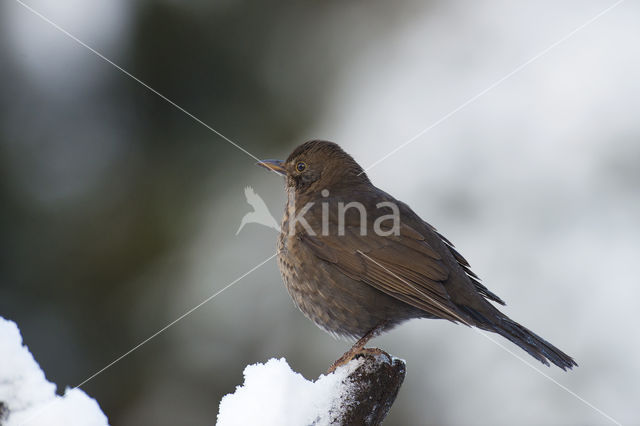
[(301, 166)]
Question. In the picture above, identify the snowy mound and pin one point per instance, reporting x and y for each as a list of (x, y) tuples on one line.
[(28, 399), (274, 394)]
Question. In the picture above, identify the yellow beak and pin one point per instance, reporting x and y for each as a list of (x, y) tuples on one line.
[(274, 165)]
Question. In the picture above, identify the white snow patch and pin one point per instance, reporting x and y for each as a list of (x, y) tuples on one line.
[(274, 394), (28, 397)]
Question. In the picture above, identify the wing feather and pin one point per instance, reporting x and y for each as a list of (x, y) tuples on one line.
[(404, 267)]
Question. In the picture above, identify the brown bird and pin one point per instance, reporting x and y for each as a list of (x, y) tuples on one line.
[(358, 262)]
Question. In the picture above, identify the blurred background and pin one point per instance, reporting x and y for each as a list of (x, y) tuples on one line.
[(119, 212)]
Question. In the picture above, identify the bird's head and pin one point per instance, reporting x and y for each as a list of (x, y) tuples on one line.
[(317, 165)]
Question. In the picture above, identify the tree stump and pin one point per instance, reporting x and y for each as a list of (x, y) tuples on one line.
[(372, 389)]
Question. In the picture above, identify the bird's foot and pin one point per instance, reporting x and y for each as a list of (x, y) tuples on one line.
[(372, 351), (353, 353), (358, 347), (345, 358)]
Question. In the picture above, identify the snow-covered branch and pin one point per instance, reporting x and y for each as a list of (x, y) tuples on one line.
[(28, 399), (360, 392)]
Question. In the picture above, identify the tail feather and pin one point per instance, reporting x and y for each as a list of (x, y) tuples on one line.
[(533, 344)]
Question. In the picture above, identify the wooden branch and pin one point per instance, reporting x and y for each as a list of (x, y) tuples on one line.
[(371, 389)]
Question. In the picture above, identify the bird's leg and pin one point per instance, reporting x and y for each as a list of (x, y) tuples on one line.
[(357, 347)]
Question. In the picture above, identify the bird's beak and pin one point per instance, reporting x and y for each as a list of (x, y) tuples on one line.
[(275, 165)]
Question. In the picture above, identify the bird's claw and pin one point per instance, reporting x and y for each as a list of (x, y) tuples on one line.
[(352, 354)]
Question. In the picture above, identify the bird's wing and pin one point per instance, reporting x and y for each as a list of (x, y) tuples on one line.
[(260, 207), (254, 199), (403, 266), (480, 288)]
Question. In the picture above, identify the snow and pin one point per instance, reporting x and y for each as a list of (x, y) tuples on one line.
[(274, 394), (29, 399)]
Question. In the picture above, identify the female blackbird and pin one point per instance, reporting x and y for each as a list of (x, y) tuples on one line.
[(358, 262)]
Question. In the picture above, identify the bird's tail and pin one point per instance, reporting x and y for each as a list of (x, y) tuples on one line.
[(533, 344)]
